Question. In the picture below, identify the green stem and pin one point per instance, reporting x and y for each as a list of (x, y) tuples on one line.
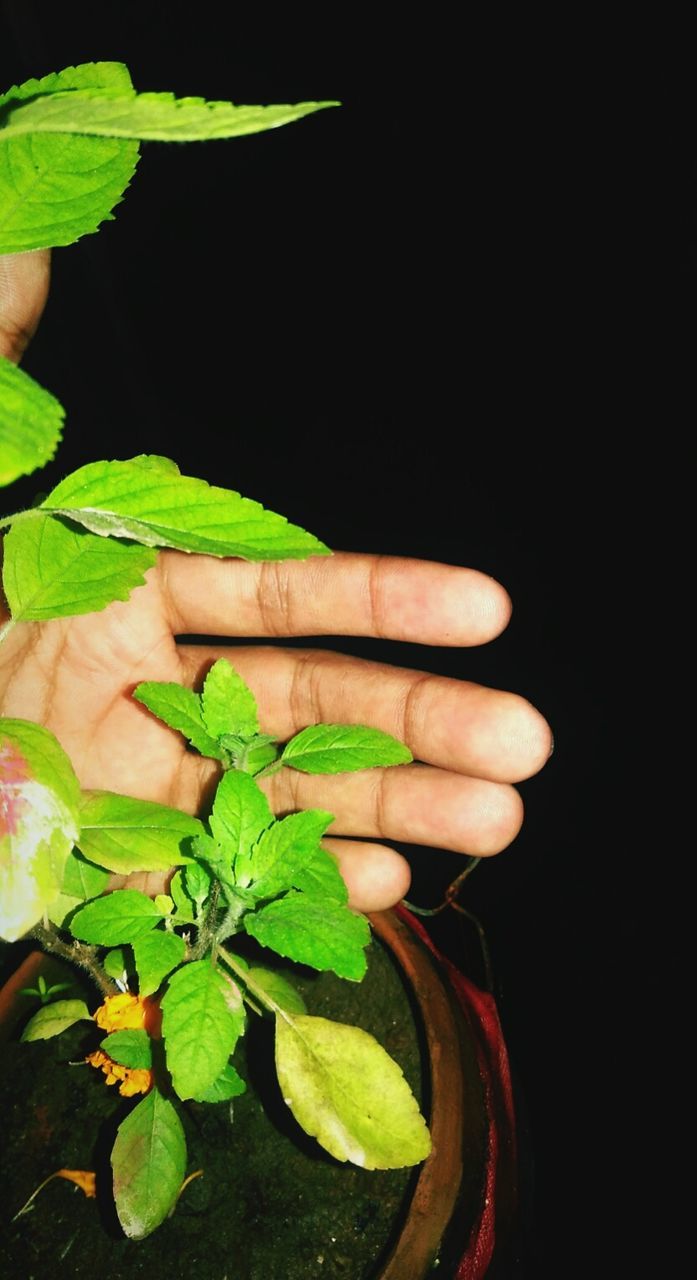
[(258, 992), (269, 770), (77, 954), (206, 933)]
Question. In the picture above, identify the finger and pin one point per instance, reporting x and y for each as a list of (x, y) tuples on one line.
[(450, 723), (24, 281), (346, 594), (376, 877), (412, 803)]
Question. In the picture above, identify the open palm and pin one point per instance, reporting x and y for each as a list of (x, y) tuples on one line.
[(76, 676)]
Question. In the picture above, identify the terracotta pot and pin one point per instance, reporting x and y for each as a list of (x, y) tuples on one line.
[(448, 1224)]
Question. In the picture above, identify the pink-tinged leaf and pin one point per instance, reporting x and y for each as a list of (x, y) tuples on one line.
[(39, 823)]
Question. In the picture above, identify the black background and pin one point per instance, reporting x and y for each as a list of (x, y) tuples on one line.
[(414, 325)]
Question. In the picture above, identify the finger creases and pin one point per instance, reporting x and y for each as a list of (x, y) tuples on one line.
[(453, 724), (345, 594), (412, 803)]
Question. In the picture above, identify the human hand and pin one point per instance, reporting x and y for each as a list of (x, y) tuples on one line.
[(76, 675)]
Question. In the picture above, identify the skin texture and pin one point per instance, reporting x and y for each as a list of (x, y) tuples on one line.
[(75, 676)]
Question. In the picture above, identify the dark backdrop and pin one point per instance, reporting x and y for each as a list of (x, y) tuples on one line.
[(406, 324)]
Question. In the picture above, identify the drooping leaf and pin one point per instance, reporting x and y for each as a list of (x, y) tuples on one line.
[(279, 988), (199, 1030), (54, 570), (53, 1018), (287, 845), (148, 1161), (82, 879), (55, 188), (345, 1090), (152, 117), (130, 1048), (321, 878), (39, 796), (325, 935), (31, 422), (180, 708), (126, 835), (126, 500), (339, 748), (122, 916), (228, 1085), (156, 954), (240, 813), (227, 703)]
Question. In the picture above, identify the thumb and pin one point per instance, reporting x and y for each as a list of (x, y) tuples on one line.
[(24, 280)]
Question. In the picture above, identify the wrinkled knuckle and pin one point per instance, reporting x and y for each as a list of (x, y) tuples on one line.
[(274, 599), (377, 595), (412, 715)]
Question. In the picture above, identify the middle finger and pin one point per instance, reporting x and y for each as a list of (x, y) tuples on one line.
[(453, 724)]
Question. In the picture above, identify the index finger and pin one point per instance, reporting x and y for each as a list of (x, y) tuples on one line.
[(346, 594)]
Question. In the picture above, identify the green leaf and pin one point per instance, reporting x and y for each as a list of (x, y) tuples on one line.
[(184, 913), (348, 1093), (130, 1048), (39, 796), (53, 570), (181, 709), (199, 1030), (156, 954), (197, 882), (116, 963), (228, 1085), (217, 863), (279, 988), (31, 422), (60, 910), (55, 188), (122, 916), (227, 703), (339, 748), (148, 1162), (81, 879), (321, 878), (281, 851), (240, 813), (126, 500), (127, 835), (151, 117), (53, 1018), (325, 935)]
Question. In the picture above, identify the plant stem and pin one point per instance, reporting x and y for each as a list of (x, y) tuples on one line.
[(450, 894), (206, 933), (258, 992), (76, 953)]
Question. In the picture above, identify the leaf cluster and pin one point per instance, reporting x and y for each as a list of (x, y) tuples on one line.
[(241, 878)]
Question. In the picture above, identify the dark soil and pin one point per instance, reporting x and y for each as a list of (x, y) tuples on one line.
[(271, 1205)]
